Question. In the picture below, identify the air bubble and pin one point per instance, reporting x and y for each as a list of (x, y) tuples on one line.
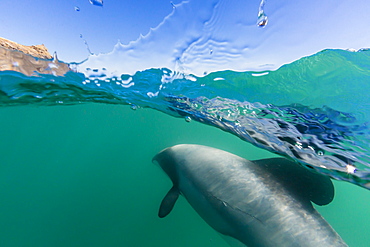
[(134, 107), (77, 8), (188, 119), (320, 153)]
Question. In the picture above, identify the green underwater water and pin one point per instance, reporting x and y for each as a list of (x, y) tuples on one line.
[(82, 176)]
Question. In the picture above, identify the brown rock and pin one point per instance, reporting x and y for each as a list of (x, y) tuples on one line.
[(39, 51), (29, 60)]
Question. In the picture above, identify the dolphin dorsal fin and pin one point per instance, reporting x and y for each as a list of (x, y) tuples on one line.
[(299, 180), (168, 202)]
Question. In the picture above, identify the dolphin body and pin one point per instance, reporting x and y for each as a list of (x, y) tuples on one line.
[(259, 203)]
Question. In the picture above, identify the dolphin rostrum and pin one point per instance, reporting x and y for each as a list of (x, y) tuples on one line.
[(259, 203)]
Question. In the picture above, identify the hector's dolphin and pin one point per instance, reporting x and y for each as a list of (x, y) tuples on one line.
[(260, 203)]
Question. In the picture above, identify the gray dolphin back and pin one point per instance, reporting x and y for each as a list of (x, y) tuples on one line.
[(259, 203)]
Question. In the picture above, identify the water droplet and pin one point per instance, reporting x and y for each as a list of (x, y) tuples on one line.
[(77, 8), (262, 19), (188, 119), (86, 44), (133, 107), (55, 57), (320, 153), (97, 2)]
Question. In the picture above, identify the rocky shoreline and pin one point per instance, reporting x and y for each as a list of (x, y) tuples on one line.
[(30, 60), (39, 51)]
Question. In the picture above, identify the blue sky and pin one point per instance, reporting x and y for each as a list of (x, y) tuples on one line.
[(56, 23), (295, 29)]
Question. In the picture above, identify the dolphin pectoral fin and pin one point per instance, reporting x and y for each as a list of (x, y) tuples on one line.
[(168, 202)]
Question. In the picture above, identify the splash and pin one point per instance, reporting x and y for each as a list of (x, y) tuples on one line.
[(208, 61), (200, 37), (325, 130)]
